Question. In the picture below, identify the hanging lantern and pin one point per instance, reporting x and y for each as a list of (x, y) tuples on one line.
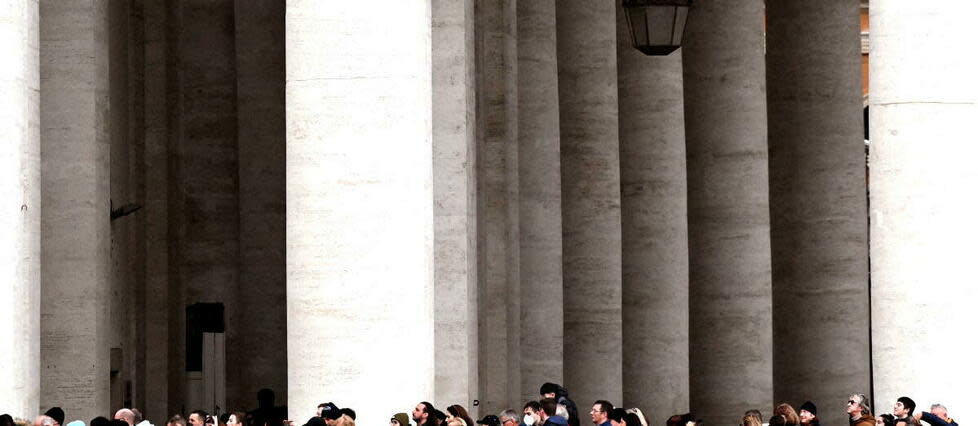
[(656, 26)]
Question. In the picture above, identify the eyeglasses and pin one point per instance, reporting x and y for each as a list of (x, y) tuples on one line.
[(851, 402)]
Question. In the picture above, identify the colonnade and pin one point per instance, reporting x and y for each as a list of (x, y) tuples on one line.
[(460, 200)]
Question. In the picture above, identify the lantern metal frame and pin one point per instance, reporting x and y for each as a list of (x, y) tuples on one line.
[(656, 49)]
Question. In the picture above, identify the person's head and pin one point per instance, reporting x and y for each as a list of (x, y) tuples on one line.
[(617, 416), (138, 414), (777, 420), (439, 416), (639, 414), (236, 418), (126, 415), (57, 414), (807, 412), (319, 409), (790, 416), (749, 420), (400, 419), (939, 411), (6, 420), (903, 422), (349, 413), (459, 411), (549, 390), (633, 419), (176, 420), (548, 406), (198, 418), (345, 420), (531, 413), (44, 420), (885, 420), (488, 420), (119, 422), (857, 405), (904, 407), (508, 417), (422, 411), (755, 414), (102, 421), (600, 411), (561, 411)]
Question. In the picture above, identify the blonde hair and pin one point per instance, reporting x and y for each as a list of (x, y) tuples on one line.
[(750, 420)]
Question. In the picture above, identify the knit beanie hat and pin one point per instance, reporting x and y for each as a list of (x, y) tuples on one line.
[(809, 407)]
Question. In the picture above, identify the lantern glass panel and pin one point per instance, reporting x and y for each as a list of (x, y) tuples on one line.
[(636, 24), (659, 25), (677, 36)]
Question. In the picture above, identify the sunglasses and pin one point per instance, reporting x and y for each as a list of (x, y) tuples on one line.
[(851, 402)]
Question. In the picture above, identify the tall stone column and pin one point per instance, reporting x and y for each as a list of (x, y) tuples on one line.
[(818, 203), (541, 267), (20, 221), (498, 205), (729, 226), (590, 200), (655, 265), (359, 206), (454, 187), (922, 174), (75, 328), (259, 45), (156, 246)]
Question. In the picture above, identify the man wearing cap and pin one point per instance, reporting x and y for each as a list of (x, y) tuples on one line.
[(558, 393), (330, 413), (400, 419), (903, 410), (808, 414), (600, 412)]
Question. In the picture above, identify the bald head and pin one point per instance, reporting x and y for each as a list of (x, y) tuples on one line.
[(126, 415)]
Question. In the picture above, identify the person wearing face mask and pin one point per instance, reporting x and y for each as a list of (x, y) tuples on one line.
[(530, 416)]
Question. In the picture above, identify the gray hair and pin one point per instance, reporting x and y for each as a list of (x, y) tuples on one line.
[(936, 406), (508, 414), (863, 404)]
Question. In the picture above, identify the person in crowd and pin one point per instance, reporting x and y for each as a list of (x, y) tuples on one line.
[(459, 411), (44, 420), (509, 417), (138, 416), (57, 414), (125, 415), (561, 411), (632, 419), (423, 414), (557, 392), (885, 420), (349, 413), (808, 414), (903, 410), (102, 421), (778, 420), (638, 413), (936, 417), (345, 420), (236, 418), (400, 419), (789, 413), (489, 420), (330, 414), (315, 421), (858, 409), (531, 416), (600, 411), (176, 420), (198, 418), (755, 413), (548, 409), (120, 422), (440, 417), (267, 413), (617, 416), (6, 420), (749, 420)]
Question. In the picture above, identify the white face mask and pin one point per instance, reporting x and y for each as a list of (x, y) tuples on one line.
[(529, 420)]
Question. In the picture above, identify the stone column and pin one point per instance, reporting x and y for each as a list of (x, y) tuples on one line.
[(75, 327), (818, 203), (541, 267), (922, 174), (156, 246), (498, 205), (260, 69), (359, 206), (454, 151), (729, 223), (590, 201), (20, 221), (655, 265)]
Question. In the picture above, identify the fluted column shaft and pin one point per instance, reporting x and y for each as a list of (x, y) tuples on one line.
[(818, 203), (729, 226), (590, 200), (922, 180), (454, 150), (359, 206), (20, 218), (655, 266), (538, 116), (75, 206)]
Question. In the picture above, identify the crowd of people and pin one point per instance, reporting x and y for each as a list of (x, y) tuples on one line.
[(555, 408)]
